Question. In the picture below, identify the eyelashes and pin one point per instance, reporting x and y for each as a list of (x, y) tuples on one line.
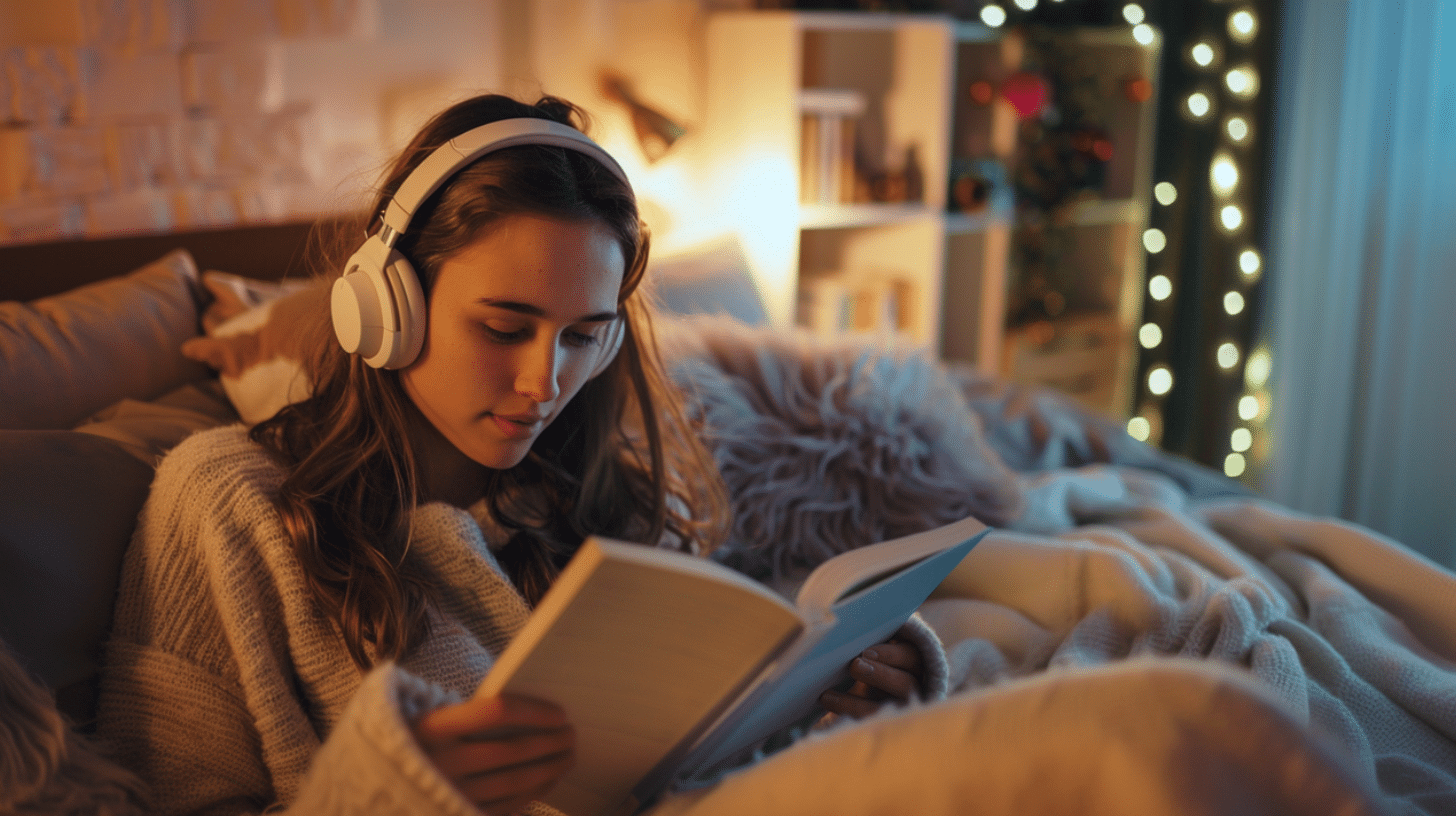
[(571, 338)]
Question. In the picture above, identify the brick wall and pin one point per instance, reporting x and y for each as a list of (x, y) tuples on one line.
[(122, 116)]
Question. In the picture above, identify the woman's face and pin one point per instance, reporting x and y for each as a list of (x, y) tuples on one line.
[(517, 322)]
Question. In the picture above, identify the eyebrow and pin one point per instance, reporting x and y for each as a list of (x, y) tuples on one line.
[(536, 311)]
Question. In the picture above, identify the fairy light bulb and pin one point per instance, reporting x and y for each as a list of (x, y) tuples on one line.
[(1233, 303), (1160, 380), (1238, 128), (1199, 104), (1139, 428), (1258, 368), (1250, 263), (1160, 287), (1243, 25), (1154, 240), (1202, 54), (1248, 406), (1242, 81), (1223, 174), (1134, 14), (1227, 356), (1234, 465), (1241, 440), (1165, 193), (993, 16), (1150, 335), (1232, 217), (1025, 5), (1144, 34)]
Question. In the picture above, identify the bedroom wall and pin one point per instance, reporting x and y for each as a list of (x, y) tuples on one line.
[(121, 116)]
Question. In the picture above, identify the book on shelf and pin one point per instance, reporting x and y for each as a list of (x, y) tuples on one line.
[(669, 664), (867, 302), (827, 144)]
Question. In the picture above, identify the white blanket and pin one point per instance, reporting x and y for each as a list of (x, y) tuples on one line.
[(1354, 634)]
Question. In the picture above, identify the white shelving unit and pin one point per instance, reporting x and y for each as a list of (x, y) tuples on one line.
[(949, 266), (758, 62)]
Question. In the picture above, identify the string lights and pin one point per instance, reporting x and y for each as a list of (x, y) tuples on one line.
[(1201, 386)]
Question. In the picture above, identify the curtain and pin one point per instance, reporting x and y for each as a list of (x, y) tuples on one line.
[(1362, 259)]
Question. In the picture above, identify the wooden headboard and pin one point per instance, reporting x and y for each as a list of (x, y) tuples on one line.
[(269, 251)]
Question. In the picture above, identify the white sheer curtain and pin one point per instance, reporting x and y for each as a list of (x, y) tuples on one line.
[(1362, 259)]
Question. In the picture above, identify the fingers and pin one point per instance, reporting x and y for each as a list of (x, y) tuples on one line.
[(500, 752), (889, 670), (225, 304), (893, 668)]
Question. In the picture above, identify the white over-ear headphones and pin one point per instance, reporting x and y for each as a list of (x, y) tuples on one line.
[(378, 306)]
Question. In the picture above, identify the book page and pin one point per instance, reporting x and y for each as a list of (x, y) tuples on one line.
[(861, 619), (640, 647)]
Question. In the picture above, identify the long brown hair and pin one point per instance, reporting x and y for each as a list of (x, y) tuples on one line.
[(620, 460)]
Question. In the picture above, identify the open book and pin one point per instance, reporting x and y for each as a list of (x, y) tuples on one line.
[(666, 663)]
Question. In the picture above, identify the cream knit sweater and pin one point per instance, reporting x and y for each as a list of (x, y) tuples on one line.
[(228, 692)]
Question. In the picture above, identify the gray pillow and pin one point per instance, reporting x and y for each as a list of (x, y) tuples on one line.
[(65, 357)]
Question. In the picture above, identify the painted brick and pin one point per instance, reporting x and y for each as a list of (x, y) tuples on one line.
[(228, 78), (213, 22), (203, 206), (41, 22), (143, 210), (67, 161), (351, 19), (33, 221), (136, 26), (143, 154), (43, 84), (118, 84)]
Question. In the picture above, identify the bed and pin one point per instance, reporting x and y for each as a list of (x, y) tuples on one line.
[(1139, 634)]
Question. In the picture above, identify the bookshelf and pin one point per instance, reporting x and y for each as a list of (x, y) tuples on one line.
[(920, 223)]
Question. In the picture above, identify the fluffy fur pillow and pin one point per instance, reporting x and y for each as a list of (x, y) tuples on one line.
[(827, 445)]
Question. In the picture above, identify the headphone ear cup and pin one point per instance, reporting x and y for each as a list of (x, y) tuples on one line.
[(378, 307), (611, 344)]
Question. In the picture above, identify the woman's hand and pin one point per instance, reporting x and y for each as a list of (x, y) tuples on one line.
[(499, 752), (886, 671)]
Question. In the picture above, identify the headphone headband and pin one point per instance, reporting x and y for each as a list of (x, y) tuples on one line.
[(378, 306), (454, 155)]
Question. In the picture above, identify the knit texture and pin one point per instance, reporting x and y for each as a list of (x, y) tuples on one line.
[(228, 691)]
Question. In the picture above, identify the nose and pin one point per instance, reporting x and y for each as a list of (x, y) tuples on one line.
[(537, 375)]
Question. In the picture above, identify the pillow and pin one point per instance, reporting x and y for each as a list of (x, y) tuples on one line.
[(711, 278), (68, 505), (827, 444), (65, 357), (147, 430), (258, 335)]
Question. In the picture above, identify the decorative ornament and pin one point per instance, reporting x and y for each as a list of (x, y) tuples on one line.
[(1028, 93)]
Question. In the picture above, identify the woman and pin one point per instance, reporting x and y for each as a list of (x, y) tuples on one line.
[(308, 605)]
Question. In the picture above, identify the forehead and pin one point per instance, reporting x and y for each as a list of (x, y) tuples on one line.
[(566, 267)]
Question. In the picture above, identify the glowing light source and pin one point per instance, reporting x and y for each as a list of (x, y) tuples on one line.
[(1248, 404), (1139, 428), (1154, 240), (1234, 465), (1165, 193), (1238, 128), (1241, 439), (1232, 217), (1133, 14), (1202, 54), (1025, 5), (1224, 174), (1242, 81), (993, 16), (1160, 380), (1256, 371), (1227, 356), (1233, 303), (1144, 34), (1243, 25), (1160, 287), (1199, 104), (1150, 335), (1249, 262)]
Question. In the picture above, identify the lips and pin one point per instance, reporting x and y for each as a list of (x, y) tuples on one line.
[(517, 426)]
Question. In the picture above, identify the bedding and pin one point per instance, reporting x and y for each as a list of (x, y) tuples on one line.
[(1135, 617)]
